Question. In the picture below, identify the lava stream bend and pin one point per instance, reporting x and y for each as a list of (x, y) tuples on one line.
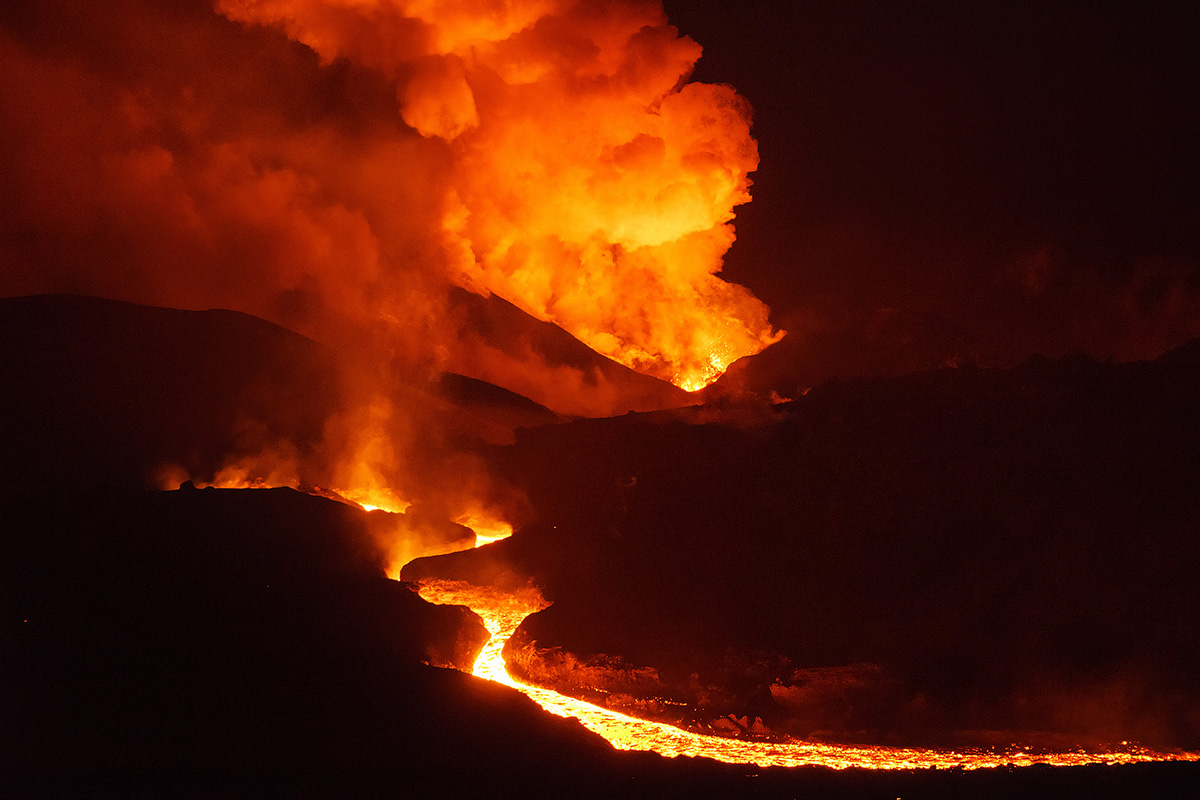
[(503, 611)]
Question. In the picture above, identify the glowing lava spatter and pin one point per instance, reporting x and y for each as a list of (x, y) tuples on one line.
[(503, 611)]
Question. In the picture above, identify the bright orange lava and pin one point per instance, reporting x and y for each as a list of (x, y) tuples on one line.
[(488, 528), (502, 612)]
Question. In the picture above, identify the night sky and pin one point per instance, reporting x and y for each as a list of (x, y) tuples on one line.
[(1025, 175)]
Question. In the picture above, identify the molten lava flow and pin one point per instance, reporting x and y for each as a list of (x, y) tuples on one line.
[(487, 528), (375, 500), (502, 612), (369, 499)]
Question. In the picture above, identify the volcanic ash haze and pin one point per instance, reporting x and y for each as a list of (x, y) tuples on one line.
[(336, 165)]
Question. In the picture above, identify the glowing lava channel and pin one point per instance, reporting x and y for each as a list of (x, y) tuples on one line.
[(502, 612)]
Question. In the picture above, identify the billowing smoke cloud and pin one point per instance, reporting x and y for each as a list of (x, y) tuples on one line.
[(338, 166), (590, 185), (181, 160), (550, 152)]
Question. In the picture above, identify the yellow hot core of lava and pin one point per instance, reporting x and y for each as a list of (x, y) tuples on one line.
[(487, 527), (502, 612)]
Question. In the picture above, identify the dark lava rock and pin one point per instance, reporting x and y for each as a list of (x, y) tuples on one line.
[(106, 393), (889, 344), (146, 625), (488, 412), (244, 643), (959, 557), (529, 356), (101, 392), (202, 639)]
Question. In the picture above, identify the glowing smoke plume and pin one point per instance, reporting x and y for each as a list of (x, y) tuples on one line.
[(590, 185), (338, 167)]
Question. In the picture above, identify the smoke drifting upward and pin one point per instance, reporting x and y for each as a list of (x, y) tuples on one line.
[(181, 160), (340, 168), (590, 185), (337, 166)]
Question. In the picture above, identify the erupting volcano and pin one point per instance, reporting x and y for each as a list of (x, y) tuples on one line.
[(387, 404)]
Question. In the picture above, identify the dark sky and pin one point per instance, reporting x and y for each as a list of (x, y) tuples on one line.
[(1025, 175)]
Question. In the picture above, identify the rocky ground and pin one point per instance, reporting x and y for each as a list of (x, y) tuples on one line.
[(957, 557), (246, 643)]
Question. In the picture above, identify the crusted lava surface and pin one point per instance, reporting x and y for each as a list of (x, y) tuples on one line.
[(959, 557)]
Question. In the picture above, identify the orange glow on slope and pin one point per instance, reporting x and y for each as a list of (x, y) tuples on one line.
[(588, 182), (502, 612), (375, 499), (487, 528), (371, 499), (401, 538)]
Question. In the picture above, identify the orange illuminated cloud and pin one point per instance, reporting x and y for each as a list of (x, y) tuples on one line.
[(591, 185)]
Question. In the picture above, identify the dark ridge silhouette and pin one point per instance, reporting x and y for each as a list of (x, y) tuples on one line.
[(498, 324), (488, 413), (106, 392), (103, 392), (474, 392), (888, 344), (964, 556)]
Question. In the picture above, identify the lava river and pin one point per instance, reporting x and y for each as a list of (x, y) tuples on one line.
[(502, 612)]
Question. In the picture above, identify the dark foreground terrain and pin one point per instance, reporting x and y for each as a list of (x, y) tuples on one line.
[(244, 643), (956, 558)]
